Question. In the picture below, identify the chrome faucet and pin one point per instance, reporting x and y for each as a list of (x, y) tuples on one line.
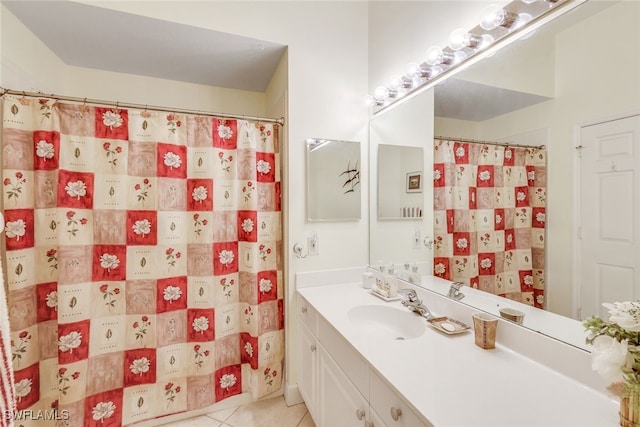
[(454, 291), (414, 303)]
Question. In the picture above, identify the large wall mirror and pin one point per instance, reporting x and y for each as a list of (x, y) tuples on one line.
[(577, 70)]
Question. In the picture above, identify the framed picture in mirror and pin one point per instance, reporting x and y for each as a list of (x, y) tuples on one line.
[(414, 182)]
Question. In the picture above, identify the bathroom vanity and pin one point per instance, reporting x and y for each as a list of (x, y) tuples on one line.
[(367, 362)]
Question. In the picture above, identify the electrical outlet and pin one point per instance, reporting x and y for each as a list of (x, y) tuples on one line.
[(313, 244), (415, 243)]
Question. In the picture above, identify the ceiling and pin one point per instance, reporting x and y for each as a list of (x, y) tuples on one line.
[(94, 37)]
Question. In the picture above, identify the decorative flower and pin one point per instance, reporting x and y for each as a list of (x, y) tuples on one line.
[(109, 295), (76, 189), (248, 348), (439, 268), (21, 348), (616, 344), (521, 196), (15, 229), (200, 355), (199, 194), (70, 341), (170, 392), (200, 324), (198, 224), (109, 261), (225, 162), (140, 366), (112, 153), (462, 243), (172, 293), (263, 167), (23, 388), (485, 263), (16, 188), (265, 285), (247, 225), (436, 174), (173, 123), (226, 257), (172, 160), (508, 154), (226, 286), (460, 152), (143, 190), (484, 176), (142, 227), (45, 150), (269, 376), (225, 132), (103, 410), (531, 175), (227, 380), (52, 300), (112, 119), (64, 380), (141, 327), (528, 280), (172, 257), (540, 217), (247, 190), (73, 224)]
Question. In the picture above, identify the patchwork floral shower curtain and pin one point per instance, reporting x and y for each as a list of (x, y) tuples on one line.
[(489, 218), (143, 260)]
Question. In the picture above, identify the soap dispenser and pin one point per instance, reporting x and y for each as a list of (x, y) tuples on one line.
[(414, 276), (391, 282)]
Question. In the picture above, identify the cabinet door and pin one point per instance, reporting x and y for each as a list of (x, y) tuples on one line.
[(339, 401), (307, 363)]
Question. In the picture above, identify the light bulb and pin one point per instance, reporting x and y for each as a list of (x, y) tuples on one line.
[(459, 39), (489, 17), (381, 92), (458, 57), (413, 69), (434, 55)]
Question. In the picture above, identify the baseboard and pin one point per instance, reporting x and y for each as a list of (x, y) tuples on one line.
[(292, 395)]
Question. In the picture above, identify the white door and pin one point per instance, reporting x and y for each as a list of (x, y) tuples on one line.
[(609, 245)]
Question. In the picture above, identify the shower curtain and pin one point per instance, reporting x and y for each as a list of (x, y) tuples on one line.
[(143, 256), (489, 218)]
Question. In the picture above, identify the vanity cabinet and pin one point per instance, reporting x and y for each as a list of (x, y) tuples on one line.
[(337, 383)]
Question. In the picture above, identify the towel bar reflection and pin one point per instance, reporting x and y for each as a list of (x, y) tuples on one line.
[(298, 249)]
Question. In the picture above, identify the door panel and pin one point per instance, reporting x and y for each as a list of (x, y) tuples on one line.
[(609, 249)]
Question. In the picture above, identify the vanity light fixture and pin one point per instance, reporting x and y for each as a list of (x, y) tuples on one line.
[(466, 47)]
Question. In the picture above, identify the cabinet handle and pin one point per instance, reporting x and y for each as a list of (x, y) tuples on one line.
[(304, 310), (360, 414), (313, 347), (395, 413)]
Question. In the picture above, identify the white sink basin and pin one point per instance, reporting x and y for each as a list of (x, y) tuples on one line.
[(387, 322)]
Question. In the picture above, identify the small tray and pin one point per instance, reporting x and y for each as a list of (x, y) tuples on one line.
[(458, 326), (382, 297)]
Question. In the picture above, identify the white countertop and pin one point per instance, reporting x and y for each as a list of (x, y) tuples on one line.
[(452, 382)]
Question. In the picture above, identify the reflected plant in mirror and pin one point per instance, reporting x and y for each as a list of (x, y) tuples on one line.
[(333, 180)]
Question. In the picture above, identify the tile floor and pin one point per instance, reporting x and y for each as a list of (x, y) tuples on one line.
[(272, 412)]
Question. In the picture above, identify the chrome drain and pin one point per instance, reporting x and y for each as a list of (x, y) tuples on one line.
[(399, 338)]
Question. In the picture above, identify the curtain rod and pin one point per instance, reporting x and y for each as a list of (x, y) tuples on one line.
[(477, 141), (118, 104)]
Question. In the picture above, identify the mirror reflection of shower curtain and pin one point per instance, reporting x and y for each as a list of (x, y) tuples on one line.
[(489, 218), (143, 254)]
